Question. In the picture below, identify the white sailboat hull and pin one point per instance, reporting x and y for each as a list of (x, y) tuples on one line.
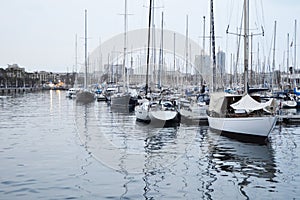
[(162, 115), (254, 126), (71, 93), (145, 114), (142, 114), (100, 97)]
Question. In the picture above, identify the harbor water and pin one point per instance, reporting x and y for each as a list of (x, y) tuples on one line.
[(54, 148)]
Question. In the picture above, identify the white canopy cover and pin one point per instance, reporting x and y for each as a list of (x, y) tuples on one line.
[(249, 104)]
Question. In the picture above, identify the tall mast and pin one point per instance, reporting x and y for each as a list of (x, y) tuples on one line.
[(125, 48), (153, 66), (76, 64), (186, 49), (246, 44), (295, 48), (251, 60), (161, 53), (100, 57), (203, 49), (75, 53), (273, 63), (148, 48), (287, 56), (212, 36), (85, 50), (174, 59), (258, 69)]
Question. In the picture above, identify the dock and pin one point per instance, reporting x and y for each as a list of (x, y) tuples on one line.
[(288, 118), (13, 90)]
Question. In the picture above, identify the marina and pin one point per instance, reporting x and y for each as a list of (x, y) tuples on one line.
[(139, 106), (57, 148)]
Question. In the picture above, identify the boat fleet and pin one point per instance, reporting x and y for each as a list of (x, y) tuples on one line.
[(251, 115), (165, 105), (246, 112)]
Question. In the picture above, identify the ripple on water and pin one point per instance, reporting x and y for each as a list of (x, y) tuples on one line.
[(51, 148)]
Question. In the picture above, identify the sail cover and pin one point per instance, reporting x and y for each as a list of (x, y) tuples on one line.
[(249, 104), (217, 102)]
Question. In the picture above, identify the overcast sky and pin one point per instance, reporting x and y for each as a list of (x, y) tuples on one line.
[(40, 34)]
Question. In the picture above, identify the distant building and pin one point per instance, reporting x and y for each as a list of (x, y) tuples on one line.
[(43, 76), (202, 65), (14, 71), (221, 62)]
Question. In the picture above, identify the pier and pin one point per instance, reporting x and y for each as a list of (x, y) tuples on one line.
[(13, 90), (289, 118)]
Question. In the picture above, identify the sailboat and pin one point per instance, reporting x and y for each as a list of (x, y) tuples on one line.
[(71, 93), (192, 108), (242, 115), (160, 110), (84, 95), (124, 99)]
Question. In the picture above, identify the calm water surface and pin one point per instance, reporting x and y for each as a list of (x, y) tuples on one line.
[(53, 148)]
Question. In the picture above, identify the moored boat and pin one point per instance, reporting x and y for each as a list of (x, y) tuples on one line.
[(84, 95), (157, 112), (242, 115), (100, 95), (71, 93)]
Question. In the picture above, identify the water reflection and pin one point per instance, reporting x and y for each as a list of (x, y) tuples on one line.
[(123, 110), (121, 143), (242, 163), (174, 160), (116, 157)]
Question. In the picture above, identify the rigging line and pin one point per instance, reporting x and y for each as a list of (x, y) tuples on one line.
[(229, 16), (261, 16), (264, 45), (271, 46), (226, 50), (262, 11), (163, 5), (256, 14), (239, 43)]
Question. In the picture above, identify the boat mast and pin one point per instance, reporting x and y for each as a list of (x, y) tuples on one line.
[(186, 51), (125, 79), (174, 60), (203, 41), (153, 69), (251, 59), (258, 69), (148, 48), (76, 64), (100, 59), (295, 48), (203, 50), (273, 63), (287, 57), (85, 50), (246, 44), (212, 38), (161, 56)]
